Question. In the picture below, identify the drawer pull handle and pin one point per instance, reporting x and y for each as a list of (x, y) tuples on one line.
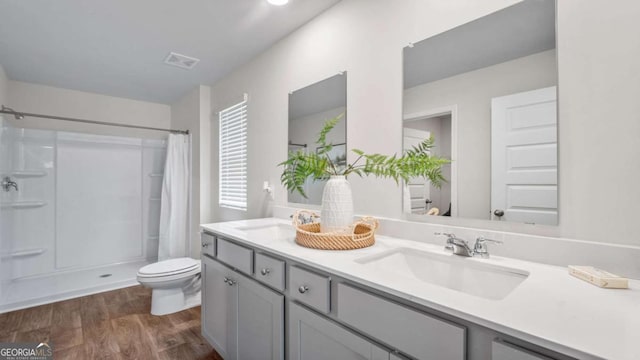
[(265, 272), (205, 245), (226, 280), (303, 289), (231, 282)]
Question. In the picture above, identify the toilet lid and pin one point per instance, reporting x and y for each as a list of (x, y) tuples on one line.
[(171, 266)]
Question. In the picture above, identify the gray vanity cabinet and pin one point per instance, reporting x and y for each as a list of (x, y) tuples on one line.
[(241, 318), (313, 337), (248, 294)]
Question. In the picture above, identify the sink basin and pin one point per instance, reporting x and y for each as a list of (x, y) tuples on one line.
[(484, 280), (275, 230)]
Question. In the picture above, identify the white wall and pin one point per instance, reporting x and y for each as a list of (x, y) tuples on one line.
[(41, 99), (364, 38), (599, 120), (472, 92), (192, 112), (599, 68)]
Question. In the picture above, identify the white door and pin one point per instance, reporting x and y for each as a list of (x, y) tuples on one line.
[(524, 157), (417, 190)]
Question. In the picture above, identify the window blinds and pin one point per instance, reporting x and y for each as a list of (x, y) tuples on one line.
[(233, 157)]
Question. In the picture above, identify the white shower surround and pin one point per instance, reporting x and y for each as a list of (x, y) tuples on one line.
[(87, 204)]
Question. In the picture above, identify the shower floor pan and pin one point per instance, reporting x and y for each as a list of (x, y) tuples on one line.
[(28, 292)]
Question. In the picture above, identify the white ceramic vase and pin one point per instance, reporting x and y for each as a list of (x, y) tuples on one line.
[(337, 206)]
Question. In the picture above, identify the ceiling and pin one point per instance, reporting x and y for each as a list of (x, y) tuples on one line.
[(117, 47), (324, 95), (519, 30)]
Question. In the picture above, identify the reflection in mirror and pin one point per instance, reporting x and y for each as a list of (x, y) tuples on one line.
[(486, 92), (309, 109)]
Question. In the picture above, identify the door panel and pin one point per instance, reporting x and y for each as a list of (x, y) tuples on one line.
[(524, 166), (418, 188)]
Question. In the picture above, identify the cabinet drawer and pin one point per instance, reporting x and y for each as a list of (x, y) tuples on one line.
[(410, 331), (310, 288), (270, 271), (235, 256), (313, 337), (208, 243), (505, 351)]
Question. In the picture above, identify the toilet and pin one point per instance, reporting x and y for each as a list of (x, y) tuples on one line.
[(175, 284)]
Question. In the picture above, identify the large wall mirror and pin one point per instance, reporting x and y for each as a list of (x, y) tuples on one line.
[(486, 92), (309, 109)]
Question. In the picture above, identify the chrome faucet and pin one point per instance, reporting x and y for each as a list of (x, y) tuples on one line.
[(461, 247), (7, 184)]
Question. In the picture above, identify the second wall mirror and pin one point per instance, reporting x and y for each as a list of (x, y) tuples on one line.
[(486, 92), (309, 109)]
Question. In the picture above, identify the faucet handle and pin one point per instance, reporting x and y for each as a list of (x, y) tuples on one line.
[(450, 237), (483, 239), (480, 248)]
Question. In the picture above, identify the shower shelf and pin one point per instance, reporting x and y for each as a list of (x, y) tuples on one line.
[(28, 173), (155, 175), (23, 204)]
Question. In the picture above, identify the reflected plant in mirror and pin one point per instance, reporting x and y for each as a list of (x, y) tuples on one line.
[(415, 162), (337, 203), (486, 93), (309, 109)]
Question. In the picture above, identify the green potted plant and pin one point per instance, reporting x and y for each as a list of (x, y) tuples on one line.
[(337, 201)]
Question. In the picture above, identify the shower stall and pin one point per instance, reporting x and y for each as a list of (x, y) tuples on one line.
[(79, 213)]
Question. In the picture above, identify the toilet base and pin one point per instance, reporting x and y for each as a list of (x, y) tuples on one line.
[(169, 301)]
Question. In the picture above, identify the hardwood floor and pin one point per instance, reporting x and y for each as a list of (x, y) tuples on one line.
[(110, 325)]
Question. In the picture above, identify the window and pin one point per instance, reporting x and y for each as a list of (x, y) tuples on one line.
[(233, 156)]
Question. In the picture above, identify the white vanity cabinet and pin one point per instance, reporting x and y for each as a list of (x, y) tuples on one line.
[(313, 337), (241, 318)]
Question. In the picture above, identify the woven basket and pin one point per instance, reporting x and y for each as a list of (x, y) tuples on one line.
[(309, 235)]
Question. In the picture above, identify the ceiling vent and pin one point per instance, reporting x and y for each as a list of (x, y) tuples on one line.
[(181, 61)]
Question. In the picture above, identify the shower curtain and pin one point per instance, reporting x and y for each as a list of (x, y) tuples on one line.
[(174, 206)]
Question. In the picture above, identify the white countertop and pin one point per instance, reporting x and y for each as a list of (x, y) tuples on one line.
[(550, 308)]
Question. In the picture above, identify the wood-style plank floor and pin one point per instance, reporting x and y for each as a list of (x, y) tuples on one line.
[(110, 325)]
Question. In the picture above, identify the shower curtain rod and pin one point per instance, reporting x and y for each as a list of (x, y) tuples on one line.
[(21, 115)]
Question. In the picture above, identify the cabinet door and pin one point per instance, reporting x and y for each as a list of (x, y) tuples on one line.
[(312, 337), (218, 303), (260, 321)]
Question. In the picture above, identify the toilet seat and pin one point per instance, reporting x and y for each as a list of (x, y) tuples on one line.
[(169, 270)]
